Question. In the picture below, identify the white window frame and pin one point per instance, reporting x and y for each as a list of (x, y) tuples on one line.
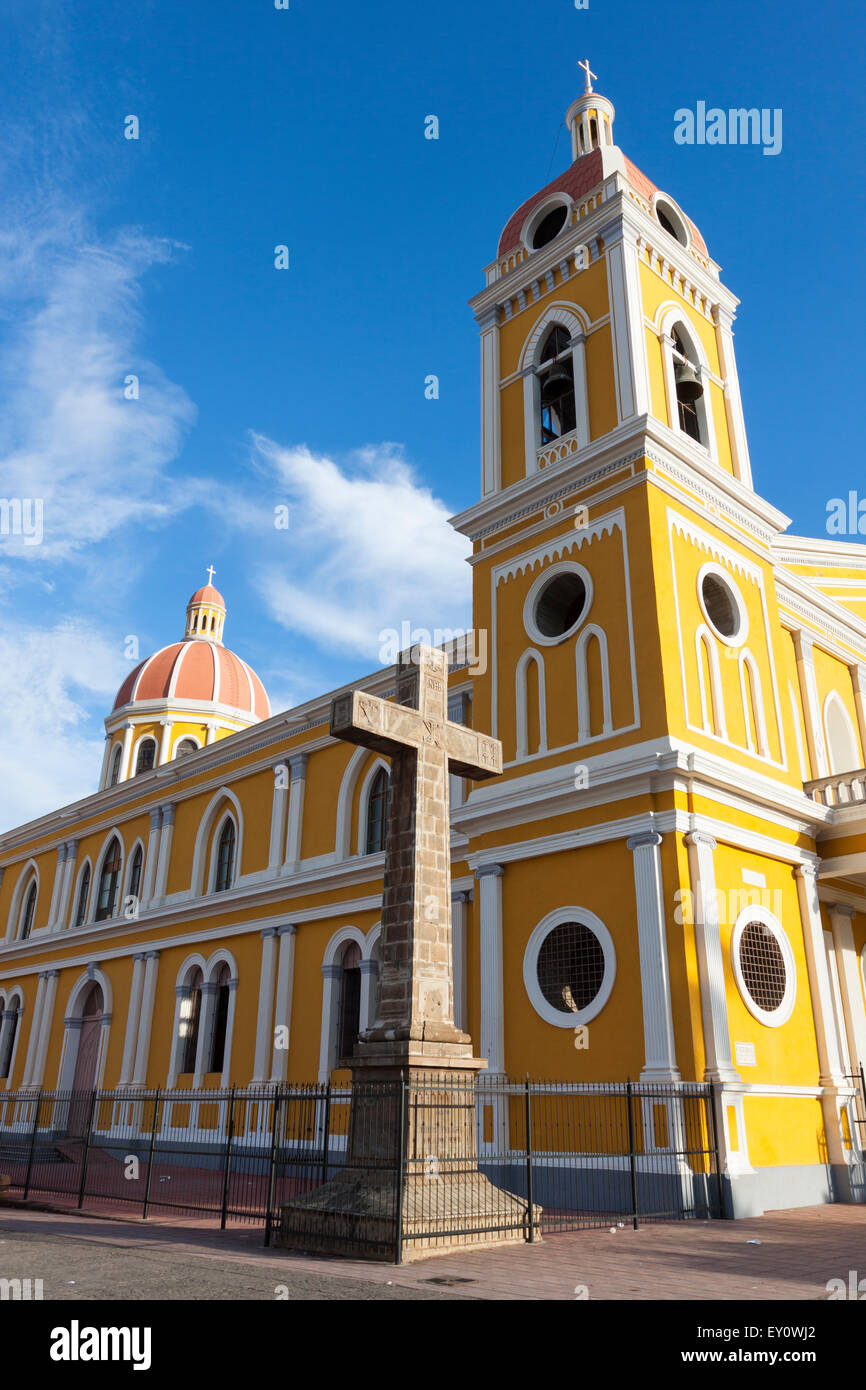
[(542, 1007), (781, 1015)]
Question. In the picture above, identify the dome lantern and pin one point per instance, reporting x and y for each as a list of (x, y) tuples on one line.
[(590, 119), (206, 613)]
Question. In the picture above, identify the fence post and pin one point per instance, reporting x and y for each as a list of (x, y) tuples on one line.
[(631, 1156), (230, 1130), (326, 1136), (32, 1146), (528, 1110), (150, 1154), (401, 1164), (272, 1170), (87, 1135), (714, 1089)]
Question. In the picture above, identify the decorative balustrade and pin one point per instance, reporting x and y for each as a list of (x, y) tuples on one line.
[(842, 789)]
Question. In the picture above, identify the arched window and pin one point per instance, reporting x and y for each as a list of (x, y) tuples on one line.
[(350, 1001), (8, 1036), (220, 1020), (691, 406), (29, 911), (841, 739), (225, 862), (106, 901), (556, 385), (377, 812), (135, 873), (190, 1015), (146, 756), (83, 894), (116, 759), (185, 747)]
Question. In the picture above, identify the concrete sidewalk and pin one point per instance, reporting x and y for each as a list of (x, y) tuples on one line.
[(799, 1251)]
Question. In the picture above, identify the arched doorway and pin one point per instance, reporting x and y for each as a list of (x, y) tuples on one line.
[(84, 1077)]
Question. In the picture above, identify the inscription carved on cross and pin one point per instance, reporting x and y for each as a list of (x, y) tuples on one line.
[(415, 959)]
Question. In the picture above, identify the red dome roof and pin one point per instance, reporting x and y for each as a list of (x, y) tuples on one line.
[(208, 594), (581, 178), (196, 670)]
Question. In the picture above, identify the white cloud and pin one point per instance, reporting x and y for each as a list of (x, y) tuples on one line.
[(68, 435), (366, 550), (52, 685)]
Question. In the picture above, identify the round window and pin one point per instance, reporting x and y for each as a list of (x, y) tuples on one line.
[(763, 966), (671, 221), (722, 605), (557, 605), (550, 226), (569, 967)]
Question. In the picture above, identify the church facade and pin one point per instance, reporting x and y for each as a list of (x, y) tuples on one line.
[(668, 881)]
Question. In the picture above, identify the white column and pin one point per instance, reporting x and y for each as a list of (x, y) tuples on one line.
[(58, 879), (369, 976), (104, 772), (714, 1002), (581, 399), (165, 741), (151, 857), (67, 884), (531, 419), (629, 340), (145, 1023), (279, 812), (733, 400), (283, 1006), (264, 1019), (829, 1061), (492, 1036), (660, 1063), (294, 833), (211, 732), (132, 1016), (127, 745), (850, 988), (33, 1039), (51, 978), (811, 704), (205, 1027), (858, 678), (331, 976), (459, 910), (181, 993), (491, 469), (164, 851)]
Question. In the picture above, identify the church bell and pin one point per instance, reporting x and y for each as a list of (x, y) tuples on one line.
[(555, 385), (688, 382)]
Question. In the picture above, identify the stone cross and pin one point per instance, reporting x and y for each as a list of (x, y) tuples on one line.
[(416, 972)]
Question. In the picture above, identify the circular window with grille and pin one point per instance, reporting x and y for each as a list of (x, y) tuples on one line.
[(763, 966), (722, 605), (569, 967), (546, 222), (557, 603)]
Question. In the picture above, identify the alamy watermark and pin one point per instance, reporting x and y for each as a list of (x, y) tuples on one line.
[(466, 647), (22, 516), (736, 126)]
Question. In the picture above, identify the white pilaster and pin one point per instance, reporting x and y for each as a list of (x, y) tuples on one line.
[(628, 332), (459, 910), (210, 734), (331, 976), (59, 871), (145, 1023), (811, 704), (294, 832), (820, 989), (369, 978), (165, 741), (491, 467), (165, 838), (581, 398), (492, 1033), (103, 775), (658, 1026), (133, 1014), (714, 1003), (279, 813), (264, 1019), (733, 399), (858, 677), (33, 1039), (850, 988), (45, 1022), (125, 770), (151, 857), (66, 884), (283, 1005)]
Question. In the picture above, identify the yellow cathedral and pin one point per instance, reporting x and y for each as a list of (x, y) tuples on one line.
[(668, 882)]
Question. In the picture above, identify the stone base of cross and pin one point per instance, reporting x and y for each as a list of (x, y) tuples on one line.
[(416, 994)]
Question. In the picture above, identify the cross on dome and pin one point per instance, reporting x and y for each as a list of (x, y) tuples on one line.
[(210, 574), (584, 66)]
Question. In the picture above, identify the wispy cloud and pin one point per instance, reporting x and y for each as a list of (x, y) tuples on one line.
[(368, 548)]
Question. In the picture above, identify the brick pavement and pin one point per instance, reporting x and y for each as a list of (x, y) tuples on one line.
[(799, 1251)]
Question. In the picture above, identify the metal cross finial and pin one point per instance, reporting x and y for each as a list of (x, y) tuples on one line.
[(210, 574), (589, 76)]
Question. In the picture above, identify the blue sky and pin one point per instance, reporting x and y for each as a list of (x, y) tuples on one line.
[(305, 387)]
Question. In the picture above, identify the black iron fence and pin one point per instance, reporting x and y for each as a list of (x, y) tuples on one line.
[(379, 1168)]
